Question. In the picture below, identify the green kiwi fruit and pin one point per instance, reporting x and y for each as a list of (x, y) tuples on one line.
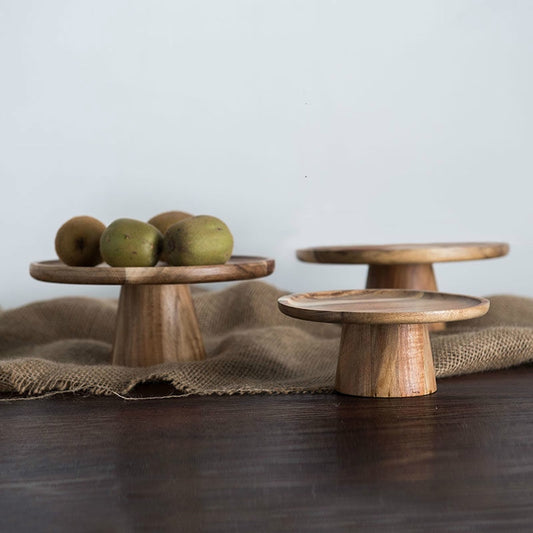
[(199, 240), (127, 242)]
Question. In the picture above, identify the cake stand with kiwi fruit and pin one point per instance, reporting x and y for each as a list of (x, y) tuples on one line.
[(156, 320)]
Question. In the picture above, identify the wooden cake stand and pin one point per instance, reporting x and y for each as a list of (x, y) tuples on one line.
[(385, 349), (156, 319)]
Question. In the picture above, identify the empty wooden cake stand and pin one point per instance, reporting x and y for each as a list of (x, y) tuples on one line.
[(403, 266), (156, 319), (385, 349)]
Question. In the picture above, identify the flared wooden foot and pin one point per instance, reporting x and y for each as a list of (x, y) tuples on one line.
[(156, 324)]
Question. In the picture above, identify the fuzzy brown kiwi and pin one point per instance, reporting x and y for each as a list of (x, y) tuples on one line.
[(77, 241), (163, 221)]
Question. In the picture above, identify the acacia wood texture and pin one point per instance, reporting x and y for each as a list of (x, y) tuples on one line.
[(156, 324), (388, 360), (237, 268), (388, 254), (457, 460), (382, 306)]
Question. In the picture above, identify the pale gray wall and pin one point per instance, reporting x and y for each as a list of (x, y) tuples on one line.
[(297, 122)]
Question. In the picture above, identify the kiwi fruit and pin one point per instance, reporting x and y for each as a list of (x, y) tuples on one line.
[(198, 240), (163, 221), (77, 241), (127, 242)]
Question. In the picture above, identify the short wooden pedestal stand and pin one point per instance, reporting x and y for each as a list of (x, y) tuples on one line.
[(385, 349), (156, 319)]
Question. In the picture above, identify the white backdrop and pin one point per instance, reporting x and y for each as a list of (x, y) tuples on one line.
[(298, 122)]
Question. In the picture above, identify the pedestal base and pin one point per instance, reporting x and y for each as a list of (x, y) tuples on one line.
[(156, 324), (385, 360)]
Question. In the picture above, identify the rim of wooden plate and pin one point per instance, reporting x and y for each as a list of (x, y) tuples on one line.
[(391, 254), (382, 306), (238, 267)]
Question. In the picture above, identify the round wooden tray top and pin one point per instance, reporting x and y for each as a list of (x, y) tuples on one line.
[(395, 254), (237, 268), (382, 306)]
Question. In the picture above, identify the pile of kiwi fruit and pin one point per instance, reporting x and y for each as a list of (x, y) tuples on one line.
[(174, 237)]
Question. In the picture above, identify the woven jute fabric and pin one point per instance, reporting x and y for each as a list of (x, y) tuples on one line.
[(65, 344)]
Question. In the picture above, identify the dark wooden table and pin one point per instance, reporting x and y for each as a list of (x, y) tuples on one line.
[(458, 460)]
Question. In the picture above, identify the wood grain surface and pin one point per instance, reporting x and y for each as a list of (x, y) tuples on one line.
[(382, 306), (385, 361), (237, 268), (457, 460), (389, 254)]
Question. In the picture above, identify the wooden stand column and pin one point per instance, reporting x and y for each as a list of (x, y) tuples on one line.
[(156, 324), (417, 276), (385, 360)]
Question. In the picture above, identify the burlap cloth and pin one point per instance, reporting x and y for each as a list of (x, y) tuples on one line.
[(65, 345)]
